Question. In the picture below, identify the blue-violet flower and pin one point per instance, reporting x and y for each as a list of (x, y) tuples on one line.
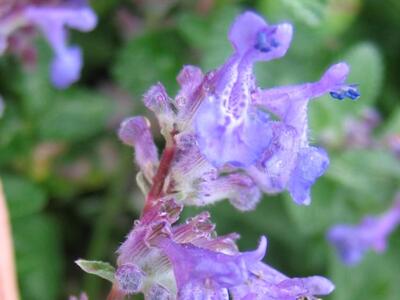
[(52, 18), (353, 241)]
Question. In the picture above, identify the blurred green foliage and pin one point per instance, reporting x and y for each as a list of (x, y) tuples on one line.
[(70, 184)]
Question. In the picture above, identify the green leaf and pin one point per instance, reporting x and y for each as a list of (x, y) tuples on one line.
[(371, 175), (340, 15), (15, 139), (75, 115), (210, 35), (367, 71), (39, 257), (309, 12), (392, 125), (98, 268), (23, 196), (35, 86), (328, 206), (152, 57)]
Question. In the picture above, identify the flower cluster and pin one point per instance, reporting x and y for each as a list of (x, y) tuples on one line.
[(52, 18), (226, 138), (353, 241), (189, 261)]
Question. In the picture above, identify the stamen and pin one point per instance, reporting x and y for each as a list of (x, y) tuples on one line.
[(348, 91), (262, 43)]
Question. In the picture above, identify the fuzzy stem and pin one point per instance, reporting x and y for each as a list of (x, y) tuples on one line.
[(156, 190), (8, 282), (115, 294)]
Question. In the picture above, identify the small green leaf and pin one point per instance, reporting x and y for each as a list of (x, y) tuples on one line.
[(23, 196), (99, 268)]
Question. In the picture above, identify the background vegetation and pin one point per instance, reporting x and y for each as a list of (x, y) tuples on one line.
[(70, 183)]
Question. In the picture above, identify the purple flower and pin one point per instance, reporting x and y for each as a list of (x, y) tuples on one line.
[(221, 126), (353, 241), (227, 125), (201, 273), (190, 261), (66, 66), (53, 21), (160, 258), (136, 132), (266, 283), (233, 123)]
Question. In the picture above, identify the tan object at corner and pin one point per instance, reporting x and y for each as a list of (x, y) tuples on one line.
[(8, 282)]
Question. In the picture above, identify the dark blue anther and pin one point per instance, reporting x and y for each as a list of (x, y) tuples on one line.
[(262, 42), (353, 94), (274, 43), (336, 95)]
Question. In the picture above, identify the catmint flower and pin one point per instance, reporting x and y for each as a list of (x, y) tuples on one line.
[(136, 132), (222, 143), (206, 274), (392, 142), (266, 283), (52, 19), (189, 261), (160, 256), (234, 125), (359, 131), (228, 126), (353, 241), (225, 142)]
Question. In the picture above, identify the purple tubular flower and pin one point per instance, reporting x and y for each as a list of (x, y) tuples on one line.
[(136, 132), (240, 189), (228, 128), (52, 21), (233, 124), (66, 66), (201, 273), (199, 183), (200, 261), (188, 261), (266, 283), (353, 241), (289, 162)]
